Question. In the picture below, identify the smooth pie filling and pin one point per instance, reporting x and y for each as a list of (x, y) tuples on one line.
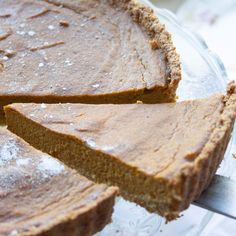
[(84, 51), (161, 156), (38, 194)]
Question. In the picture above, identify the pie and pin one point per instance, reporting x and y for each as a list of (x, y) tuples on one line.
[(41, 196), (96, 51), (161, 156)]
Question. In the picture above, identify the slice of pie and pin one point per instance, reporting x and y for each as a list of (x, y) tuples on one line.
[(96, 51), (41, 196), (161, 156)]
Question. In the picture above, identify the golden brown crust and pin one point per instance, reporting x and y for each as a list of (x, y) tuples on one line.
[(145, 17), (175, 173), (195, 177), (41, 196), (156, 80), (90, 220)]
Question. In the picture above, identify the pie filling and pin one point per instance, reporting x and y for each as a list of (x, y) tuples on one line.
[(161, 156), (31, 196), (145, 150), (87, 51)]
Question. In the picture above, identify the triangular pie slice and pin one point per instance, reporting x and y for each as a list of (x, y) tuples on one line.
[(161, 156), (96, 51), (41, 196)]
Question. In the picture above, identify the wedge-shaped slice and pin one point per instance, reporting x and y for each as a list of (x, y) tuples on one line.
[(96, 51), (161, 156), (41, 196)]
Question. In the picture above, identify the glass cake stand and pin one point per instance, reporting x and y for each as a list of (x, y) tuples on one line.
[(203, 74)]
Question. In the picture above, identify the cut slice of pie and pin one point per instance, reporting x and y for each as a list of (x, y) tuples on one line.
[(96, 51), (161, 156), (41, 196)]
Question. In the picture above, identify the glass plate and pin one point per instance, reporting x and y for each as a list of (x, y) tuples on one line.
[(203, 74)]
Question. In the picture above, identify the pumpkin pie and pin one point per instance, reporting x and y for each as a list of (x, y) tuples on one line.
[(96, 51), (162, 156), (41, 196)]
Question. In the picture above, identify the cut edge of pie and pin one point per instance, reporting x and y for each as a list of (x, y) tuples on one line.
[(41, 196), (159, 39), (164, 195)]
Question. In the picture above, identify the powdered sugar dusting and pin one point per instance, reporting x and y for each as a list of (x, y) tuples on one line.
[(8, 152), (14, 232), (108, 149), (43, 105), (91, 143), (23, 162), (11, 178), (21, 167), (49, 167), (31, 33)]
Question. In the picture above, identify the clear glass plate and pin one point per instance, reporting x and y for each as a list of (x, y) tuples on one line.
[(203, 75)]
